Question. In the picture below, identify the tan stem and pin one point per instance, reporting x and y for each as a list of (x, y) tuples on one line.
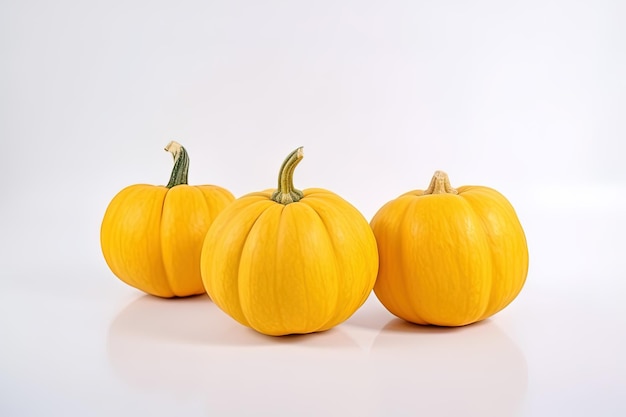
[(440, 184)]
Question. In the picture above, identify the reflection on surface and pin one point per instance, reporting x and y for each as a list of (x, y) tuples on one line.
[(181, 345), (197, 321), (155, 342), (187, 350), (474, 370)]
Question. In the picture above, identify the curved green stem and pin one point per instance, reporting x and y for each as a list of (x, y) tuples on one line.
[(440, 184), (286, 192), (181, 164)]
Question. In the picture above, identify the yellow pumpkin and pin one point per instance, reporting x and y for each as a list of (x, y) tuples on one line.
[(151, 236), (449, 257), (289, 261)]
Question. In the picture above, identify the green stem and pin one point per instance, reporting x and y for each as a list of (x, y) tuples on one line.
[(181, 164), (440, 184), (286, 192)]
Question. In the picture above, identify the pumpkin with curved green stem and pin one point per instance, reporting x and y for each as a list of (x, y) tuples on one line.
[(449, 256), (151, 236), (289, 261)]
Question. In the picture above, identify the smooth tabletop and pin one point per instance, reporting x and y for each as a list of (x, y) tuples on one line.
[(80, 342)]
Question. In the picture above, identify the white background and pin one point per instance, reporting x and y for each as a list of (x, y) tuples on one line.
[(526, 97)]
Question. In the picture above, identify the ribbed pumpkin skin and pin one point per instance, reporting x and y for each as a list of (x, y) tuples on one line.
[(283, 269), (449, 259), (152, 236)]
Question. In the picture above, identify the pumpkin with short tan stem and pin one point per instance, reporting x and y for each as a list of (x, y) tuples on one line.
[(449, 257), (289, 261), (151, 236)]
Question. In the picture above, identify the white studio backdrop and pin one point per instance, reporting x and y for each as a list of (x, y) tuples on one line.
[(526, 97)]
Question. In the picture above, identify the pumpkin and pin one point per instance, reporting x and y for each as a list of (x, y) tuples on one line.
[(449, 257), (287, 261), (151, 236)]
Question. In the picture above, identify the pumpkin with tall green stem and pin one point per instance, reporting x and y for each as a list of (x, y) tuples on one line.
[(151, 236), (289, 261)]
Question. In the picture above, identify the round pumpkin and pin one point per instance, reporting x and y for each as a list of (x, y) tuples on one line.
[(151, 236), (449, 257), (289, 261)]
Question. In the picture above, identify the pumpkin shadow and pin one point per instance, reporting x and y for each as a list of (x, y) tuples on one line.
[(474, 370), (198, 321), (191, 321), (155, 342), (372, 315), (397, 325)]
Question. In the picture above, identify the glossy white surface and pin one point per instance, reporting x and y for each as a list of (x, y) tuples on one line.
[(528, 98), (80, 343)]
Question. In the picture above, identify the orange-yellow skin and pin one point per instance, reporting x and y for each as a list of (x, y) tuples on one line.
[(151, 236), (291, 268), (447, 259)]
